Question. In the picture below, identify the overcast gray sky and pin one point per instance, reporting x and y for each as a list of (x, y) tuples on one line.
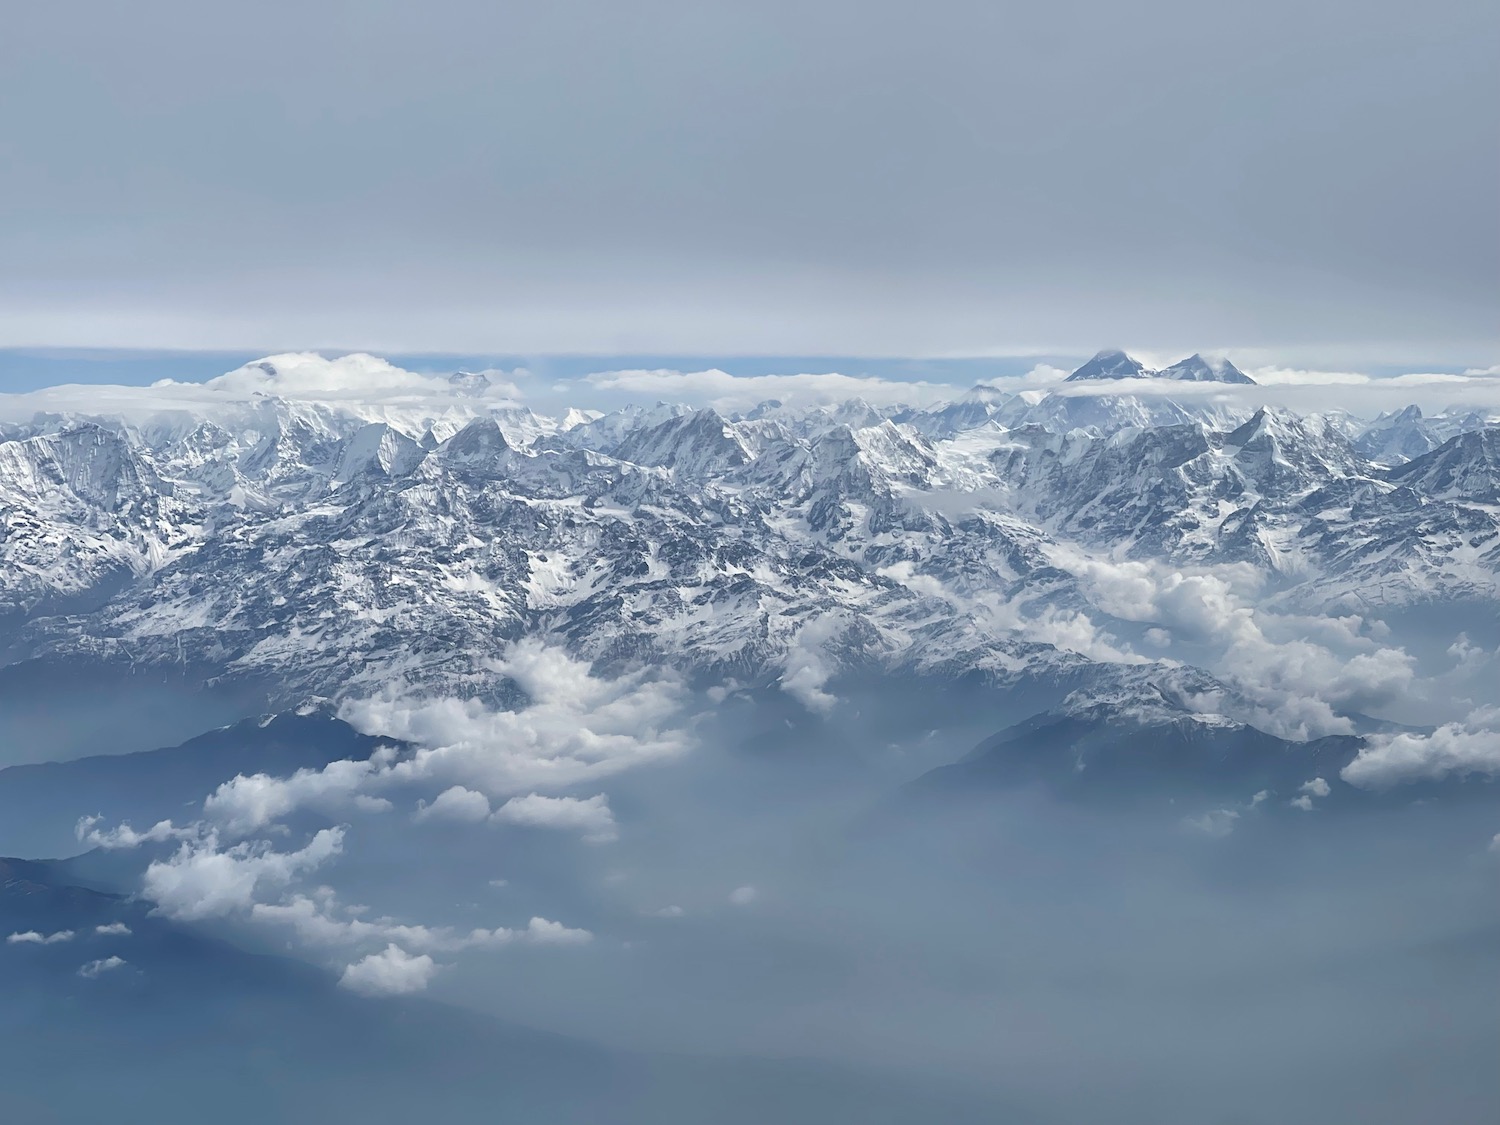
[(1307, 182)]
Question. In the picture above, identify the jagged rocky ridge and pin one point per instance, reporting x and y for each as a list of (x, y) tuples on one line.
[(340, 550)]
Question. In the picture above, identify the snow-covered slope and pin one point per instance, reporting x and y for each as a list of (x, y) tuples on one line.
[(1198, 369), (1402, 435), (1466, 467), (342, 548)]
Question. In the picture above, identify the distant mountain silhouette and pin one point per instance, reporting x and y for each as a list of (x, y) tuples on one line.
[(40, 803)]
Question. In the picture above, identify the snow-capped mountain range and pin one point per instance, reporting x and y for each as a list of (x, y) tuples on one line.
[(1113, 364), (342, 545)]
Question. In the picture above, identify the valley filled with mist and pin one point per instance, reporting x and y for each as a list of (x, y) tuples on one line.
[(1108, 747)]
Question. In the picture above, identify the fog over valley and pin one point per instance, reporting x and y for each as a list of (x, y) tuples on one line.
[(837, 563), (1113, 743)]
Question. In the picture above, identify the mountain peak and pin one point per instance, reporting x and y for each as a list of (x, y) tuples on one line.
[(1197, 369), (1466, 466), (1261, 422), (986, 393), (469, 382), (1110, 364), (481, 440)]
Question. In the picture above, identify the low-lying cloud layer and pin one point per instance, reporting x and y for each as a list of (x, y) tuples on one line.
[(379, 389), (573, 727), (1459, 749)]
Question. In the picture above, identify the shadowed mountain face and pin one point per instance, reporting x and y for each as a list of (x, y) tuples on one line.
[(1197, 369), (77, 706), (1467, 465), (1110, 364), (41, 802), (1109, 753), (1152, 752)]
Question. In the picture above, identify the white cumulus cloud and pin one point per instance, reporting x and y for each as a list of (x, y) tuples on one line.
[(247, 804), (1453, 749), (391, 972), (577, 726), (455, 803), (123, 836), (34, 937), (318, 919), (590, 816), (1217, 823), (203, 881), (100, 967)]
